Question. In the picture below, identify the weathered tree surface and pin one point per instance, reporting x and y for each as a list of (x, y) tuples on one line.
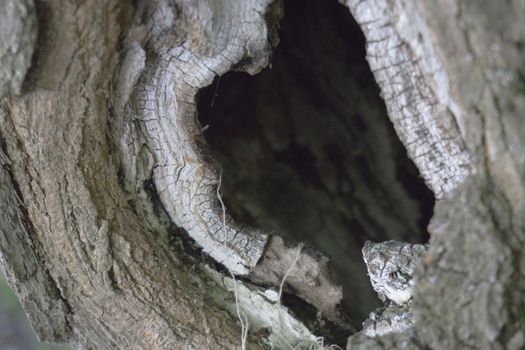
[(114, 231), (451, 73)]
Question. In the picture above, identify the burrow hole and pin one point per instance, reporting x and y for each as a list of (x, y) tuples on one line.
[(308, 152)]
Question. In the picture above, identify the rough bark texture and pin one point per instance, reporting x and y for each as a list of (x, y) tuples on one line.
[(103, 279), (105, 175), (17, 41), (467, 293)]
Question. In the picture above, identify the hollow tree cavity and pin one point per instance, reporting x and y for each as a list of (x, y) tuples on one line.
[(307, 150), (113, 232)]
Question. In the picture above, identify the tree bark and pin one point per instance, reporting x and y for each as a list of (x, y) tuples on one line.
[(114, 231)]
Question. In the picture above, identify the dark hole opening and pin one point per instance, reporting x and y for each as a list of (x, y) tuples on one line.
[(308, 152)]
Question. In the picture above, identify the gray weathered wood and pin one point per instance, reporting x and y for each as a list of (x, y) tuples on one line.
[(160, 100), (18, 32), (466, 292), (415, 88), (109, 110)]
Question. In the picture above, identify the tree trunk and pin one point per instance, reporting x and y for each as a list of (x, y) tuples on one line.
[(115, 156)]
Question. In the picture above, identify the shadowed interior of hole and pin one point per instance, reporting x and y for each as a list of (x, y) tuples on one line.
[(308, 152)]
